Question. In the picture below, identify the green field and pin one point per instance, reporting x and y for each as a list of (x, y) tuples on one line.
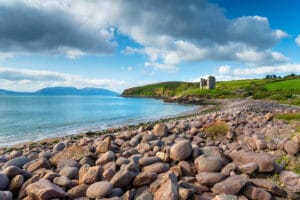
[(285, 90), (284, 85)]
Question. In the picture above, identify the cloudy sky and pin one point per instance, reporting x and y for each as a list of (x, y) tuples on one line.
[(121, 43)]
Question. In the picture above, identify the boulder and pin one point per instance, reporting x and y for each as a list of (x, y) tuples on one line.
[(208, 164), (122, 178), (45, 190), (12, 171), (144, 179), (74, 152), (291, 147), (181, 150), (269, 186), (248, 168), (256, 193), (67, 163), (38, 164), (70, 172), (226, 197), (264, 161), (78, 191), (209, 178), (63, 181), (93, 175), (105, 158), (4, 181), (160, 130), (158, 167), (231, 185), (59, 147), (6, 195), (168, 190), (104, 145), (99, 190), (291, 182), (16, 183), (149, 160), (17, 162)]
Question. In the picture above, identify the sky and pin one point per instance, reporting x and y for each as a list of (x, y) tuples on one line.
[(117, 44)]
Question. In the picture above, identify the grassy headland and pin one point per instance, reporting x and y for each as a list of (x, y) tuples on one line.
[(284, 90)]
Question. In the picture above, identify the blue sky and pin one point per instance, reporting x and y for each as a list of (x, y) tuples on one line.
[(118, 44)]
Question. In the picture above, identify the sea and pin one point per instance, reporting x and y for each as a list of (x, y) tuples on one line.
[(33, 118)]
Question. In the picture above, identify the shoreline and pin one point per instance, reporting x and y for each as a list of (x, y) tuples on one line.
[(109, 128), (237, 145)]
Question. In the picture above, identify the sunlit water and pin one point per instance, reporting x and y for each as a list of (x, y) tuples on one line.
[(31, 118)]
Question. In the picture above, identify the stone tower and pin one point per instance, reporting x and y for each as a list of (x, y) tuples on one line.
[(211, 83)]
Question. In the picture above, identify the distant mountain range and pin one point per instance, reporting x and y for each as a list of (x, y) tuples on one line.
[(63, 91)]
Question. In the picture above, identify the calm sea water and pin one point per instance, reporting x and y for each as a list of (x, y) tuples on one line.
[(31, 118)]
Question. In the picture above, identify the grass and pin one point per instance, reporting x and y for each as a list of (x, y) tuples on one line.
[(289, 164), (284, 85), (288, 116), (217, 130), (285, 90)]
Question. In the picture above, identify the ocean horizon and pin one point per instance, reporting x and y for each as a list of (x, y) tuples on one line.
[(31, 118)]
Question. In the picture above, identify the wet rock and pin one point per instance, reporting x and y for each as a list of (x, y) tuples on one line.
[(292, 148), (17, 162), (158, 167), (256, 193), (168, 190), (231, 185), (144, 179), (99, 189), (265, 161), (160, 130), (208, 164), (209, 178), (181, 150), (45, 190)]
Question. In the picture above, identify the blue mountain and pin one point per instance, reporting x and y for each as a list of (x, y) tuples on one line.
[(64, 91)]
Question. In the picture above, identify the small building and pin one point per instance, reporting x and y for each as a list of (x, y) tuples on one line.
[(209, 83)]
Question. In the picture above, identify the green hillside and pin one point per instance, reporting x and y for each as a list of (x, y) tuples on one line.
[(285, 90)]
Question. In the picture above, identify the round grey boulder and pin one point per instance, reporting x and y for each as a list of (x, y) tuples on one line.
[(181, 150), (99, 189), (4, 181)]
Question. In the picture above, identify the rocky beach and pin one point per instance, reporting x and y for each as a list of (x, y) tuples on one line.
[(238, 150)]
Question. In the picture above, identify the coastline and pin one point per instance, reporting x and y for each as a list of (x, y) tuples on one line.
[(109, 128), (237, 141)]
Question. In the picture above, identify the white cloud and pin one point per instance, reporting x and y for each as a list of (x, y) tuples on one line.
[(25, 79), (264, 70), (297, 40), (169, 32), (224, 69)]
